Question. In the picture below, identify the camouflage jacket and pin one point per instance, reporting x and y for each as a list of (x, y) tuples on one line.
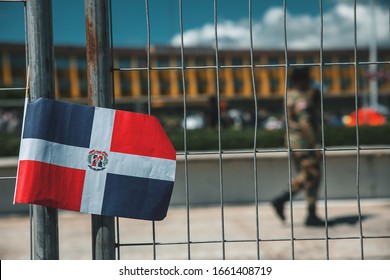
[(302, 118)]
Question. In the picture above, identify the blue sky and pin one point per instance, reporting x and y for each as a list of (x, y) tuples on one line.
[(129, 23)]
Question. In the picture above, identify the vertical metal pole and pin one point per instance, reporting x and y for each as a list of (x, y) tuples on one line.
[(373, 59), (289, 149), (99, 94), (183, 80), (255, 168), (41, 61)]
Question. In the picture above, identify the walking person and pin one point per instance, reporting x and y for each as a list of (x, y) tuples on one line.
[(302, 118)]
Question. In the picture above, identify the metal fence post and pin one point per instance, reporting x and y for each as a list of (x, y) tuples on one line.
[(99, 94), (41, 62)]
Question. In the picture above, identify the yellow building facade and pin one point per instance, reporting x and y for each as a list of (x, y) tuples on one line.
[(230, 74)]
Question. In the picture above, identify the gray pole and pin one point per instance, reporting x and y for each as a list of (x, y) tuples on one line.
[(99, 94), (373, 58), (41, 62)]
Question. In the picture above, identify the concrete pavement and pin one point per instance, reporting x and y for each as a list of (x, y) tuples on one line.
[(239, 229)]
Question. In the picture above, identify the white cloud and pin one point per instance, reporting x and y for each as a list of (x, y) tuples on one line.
[(303, 31)]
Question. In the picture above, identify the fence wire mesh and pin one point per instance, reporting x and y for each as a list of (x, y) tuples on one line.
[(222, 241), (181, 236)]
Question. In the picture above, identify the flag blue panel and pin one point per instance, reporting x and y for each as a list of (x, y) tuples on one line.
[(46, 120), (135, 197)]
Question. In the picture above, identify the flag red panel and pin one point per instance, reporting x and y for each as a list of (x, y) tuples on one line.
[(49, 185), (142, 135)]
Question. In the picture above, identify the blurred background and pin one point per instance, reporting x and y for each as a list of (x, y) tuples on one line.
[(235, 85)]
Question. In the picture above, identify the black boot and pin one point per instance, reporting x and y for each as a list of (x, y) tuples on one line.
[(312, 219), (278, 204)]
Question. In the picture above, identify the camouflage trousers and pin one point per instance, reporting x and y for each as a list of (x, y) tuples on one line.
[(308, 175)]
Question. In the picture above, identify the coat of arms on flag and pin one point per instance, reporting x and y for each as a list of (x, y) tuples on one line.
[(95, 160)]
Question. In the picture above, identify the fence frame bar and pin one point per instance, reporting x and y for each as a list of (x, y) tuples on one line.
[(41, 63), (99, 94)]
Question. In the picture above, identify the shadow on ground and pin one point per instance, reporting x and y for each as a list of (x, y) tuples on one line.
[(347, 220)]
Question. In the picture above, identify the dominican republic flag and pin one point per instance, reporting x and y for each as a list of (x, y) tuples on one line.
[(95, 160)]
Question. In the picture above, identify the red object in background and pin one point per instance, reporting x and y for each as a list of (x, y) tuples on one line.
[(366, 116)]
